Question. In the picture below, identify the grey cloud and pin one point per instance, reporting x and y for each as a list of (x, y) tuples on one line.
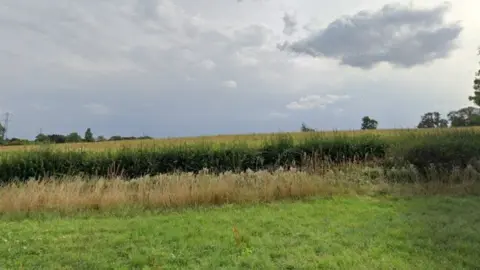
[(128, 69), (289, 24), (395, 34), (115, 67)]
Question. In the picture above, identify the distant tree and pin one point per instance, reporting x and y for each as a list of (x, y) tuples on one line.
[(476, 87), (42, 138), (89, 135), (465, 117), (73, 137), (17, 141), (115, 138), (57, 138), (305, 128), (2, 133), (101, 139), (369, 123), (432, 120)]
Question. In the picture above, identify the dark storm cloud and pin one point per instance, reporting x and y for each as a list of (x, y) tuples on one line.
[(395, 34)]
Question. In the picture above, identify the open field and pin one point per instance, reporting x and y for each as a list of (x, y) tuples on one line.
[(336, 233)]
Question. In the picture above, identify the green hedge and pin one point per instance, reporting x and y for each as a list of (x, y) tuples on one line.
[(280, 151), (444, 151)]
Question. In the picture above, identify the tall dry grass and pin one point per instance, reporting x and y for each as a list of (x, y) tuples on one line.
[(184, 190)]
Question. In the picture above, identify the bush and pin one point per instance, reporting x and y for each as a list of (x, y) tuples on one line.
[(444, 151)]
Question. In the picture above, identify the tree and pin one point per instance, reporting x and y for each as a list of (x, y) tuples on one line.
[(2, 133), (476, 87), (305, 128), (115, 138), (57, 138), (101, 138), (432, 120), (465, 117), (41, 138), (74, 137), (89, 135), (369, 123)]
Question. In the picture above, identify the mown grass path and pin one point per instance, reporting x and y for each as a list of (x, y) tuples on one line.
[(339, 233)]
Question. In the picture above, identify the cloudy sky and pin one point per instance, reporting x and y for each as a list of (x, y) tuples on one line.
[(197, 67)]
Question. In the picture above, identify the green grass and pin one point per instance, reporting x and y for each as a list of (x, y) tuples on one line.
[(336, 233)]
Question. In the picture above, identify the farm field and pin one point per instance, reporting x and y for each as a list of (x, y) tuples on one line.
[(253, 140), (347, 216), (447, 148), (428, 232)]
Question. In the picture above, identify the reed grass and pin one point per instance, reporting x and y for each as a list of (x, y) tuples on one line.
[(187, 190)]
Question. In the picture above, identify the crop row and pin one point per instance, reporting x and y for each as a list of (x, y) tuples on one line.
[(445, 149)]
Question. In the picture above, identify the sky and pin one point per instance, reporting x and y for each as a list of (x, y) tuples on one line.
[(168, 68)]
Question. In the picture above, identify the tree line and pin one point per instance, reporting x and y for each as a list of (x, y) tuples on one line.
[(73, 137)]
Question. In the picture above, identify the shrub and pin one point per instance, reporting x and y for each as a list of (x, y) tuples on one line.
[(445, 151)]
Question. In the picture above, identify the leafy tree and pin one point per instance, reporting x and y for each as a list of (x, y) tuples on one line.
[(432, 120), (115, 138), (369, 123), (73, 137), (2, 133), (305, 128), (465, 117), (476, 87), (101, 139), (17, 141), (41, 138), (57, 138), (89, 135)]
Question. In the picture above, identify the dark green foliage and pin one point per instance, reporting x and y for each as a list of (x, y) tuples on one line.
[(73, 137), (444, 151), (465, 117), (134, 162), (433, 120), (2, 133), (89, 135), (305, 128), (57, 138), (476, 87), (41, 138), (369, 123)]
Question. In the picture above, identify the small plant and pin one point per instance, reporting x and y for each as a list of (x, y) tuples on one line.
[(242, 242)]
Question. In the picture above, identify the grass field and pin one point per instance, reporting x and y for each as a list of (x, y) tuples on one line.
[(336, 233)]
